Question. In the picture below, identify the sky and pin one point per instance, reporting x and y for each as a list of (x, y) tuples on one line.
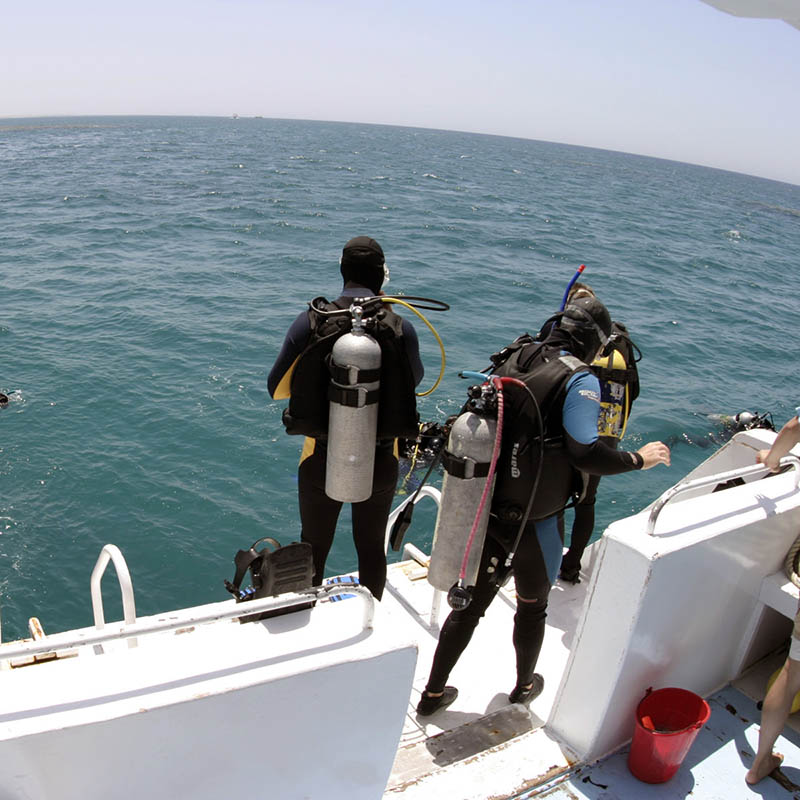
[(675, 79)]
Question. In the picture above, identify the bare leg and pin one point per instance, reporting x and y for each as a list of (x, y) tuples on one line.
[(777, 706)]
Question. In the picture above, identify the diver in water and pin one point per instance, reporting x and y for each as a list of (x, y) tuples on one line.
[(301, 373), (568, 397)]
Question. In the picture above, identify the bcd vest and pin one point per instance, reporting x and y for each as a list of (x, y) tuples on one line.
[(545, 372), (307, 413)]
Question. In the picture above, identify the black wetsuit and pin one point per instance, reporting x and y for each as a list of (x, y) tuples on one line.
[(538, 553), (318, 513)]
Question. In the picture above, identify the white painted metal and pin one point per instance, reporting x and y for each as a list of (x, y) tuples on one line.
[(714, 480), (672, 610), (787, 10), (173, 717), (111, 552), (185, 618)]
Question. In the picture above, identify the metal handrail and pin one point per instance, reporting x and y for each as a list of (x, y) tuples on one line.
[(425, 491), (185, 618), (111, 552), (720, 477)]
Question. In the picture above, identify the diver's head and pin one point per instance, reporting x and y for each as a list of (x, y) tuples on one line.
[(580, 290), (587, 322), (362, 262)]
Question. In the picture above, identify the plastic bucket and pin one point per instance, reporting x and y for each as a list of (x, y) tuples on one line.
[(667, 722)]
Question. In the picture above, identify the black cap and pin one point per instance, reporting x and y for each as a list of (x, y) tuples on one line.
[(362, 262), (587, 320), (364, 250)]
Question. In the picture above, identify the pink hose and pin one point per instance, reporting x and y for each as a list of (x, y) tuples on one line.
[(498, 383)]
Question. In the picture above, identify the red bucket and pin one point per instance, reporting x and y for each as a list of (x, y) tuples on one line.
[(667, 722)]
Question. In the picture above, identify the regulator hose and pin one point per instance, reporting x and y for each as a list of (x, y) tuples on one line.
[(412, 303)]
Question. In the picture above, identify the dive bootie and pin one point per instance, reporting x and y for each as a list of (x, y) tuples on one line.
[(570, 575), (429, 705), (524, 696)]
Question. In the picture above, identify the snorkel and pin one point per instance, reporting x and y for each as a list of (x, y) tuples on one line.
[(571, 283)]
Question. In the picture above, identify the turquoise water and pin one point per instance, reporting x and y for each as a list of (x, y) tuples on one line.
[(150, 267)]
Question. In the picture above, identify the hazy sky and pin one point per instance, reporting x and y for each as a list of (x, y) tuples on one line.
[(669, 78)]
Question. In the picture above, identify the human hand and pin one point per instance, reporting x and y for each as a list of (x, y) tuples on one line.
[(768, 459), (654, 453)]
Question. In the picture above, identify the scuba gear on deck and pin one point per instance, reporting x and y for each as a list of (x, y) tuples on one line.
[(285, 568)]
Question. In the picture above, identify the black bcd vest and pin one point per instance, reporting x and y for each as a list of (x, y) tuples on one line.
[(545, 372), (307, 413)]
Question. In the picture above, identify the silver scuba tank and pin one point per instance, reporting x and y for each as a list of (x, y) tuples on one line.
[(353, 414), (466, 461)]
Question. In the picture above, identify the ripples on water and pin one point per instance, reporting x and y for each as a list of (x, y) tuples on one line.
[(152, 265)]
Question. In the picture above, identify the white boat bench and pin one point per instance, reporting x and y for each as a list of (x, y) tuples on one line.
[(778, 592)]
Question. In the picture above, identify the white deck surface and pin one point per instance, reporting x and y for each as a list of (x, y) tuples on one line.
[(438, 755), (716, 765)]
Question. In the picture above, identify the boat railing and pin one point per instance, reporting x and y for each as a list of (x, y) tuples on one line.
[(111, 552), (426, 491), (711, 480), (412, 552), (131, 628)]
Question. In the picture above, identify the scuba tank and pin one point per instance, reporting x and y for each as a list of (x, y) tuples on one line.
[(354, 365), (465, 499)]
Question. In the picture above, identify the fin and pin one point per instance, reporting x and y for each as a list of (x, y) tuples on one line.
[(400, 526)]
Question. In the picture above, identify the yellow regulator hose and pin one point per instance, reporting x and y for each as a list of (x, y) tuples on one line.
[(433, 330)]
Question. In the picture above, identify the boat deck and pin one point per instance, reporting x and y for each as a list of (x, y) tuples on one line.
[(445, 755), (714, 769)]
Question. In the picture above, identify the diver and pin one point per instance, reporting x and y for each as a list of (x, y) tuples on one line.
[(619, 387), (567, 396), (301, 374)]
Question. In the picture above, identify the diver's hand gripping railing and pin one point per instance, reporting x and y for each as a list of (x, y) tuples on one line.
[(710, 480), (186, 618)]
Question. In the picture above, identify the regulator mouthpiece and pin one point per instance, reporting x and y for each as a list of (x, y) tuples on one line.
[(459, 597)]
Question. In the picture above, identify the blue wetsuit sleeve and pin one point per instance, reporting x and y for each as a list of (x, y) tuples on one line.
[(585, 450), (293, 344), (582, 407), (412, 351)]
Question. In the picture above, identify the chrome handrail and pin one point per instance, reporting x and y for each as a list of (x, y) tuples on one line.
[(426, 491), (720, 477), (186, 618)]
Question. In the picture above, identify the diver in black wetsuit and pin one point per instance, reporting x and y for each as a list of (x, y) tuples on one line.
[(619, 387), (300, 374), (555, 370)]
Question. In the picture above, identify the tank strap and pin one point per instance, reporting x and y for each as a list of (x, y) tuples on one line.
[(352, 375), (352, 396), (464, 467)]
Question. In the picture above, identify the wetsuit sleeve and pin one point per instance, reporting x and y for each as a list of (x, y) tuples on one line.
[(293, 344), (585, 450), (412, 351)]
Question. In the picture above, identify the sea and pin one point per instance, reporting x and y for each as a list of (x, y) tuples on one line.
[(150, 266)]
